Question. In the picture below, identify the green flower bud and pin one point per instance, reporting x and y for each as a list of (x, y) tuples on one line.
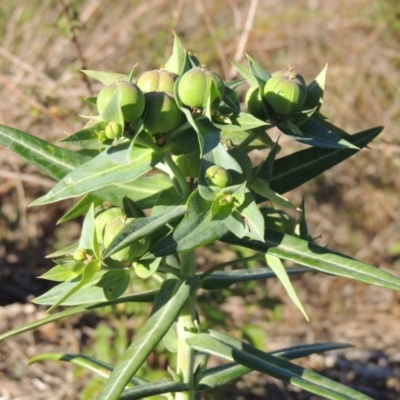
[(162, 113), (131, 100), (158, 80), (80, 255), (285, 91), (113, 130), (192, 88), (218, 177)]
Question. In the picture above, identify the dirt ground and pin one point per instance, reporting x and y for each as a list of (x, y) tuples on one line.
[(353, 208)]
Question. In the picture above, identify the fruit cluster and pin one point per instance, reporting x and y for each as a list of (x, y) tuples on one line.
[(152, 100)]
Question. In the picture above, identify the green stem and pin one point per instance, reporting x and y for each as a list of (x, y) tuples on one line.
[(186, 323), (252, 136), (178, 178)]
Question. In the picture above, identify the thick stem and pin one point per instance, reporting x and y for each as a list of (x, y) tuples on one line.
[(186, 322)]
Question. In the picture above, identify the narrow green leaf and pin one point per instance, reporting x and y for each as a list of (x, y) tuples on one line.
[(262, 188), (80, 208), (223, 279), (246, 73), (295, 169), (144, 297), (196, 229), (223, 374), (53, 161), (59, 274), (105, 77), (178, 62), (316, 257), (315, 90), (257, 70), (89, 272), (149, 389), (87, 239), (142, 227), (240, 122), (88, 137), (276, 265), (273, 366), (99, 172), (170, 300), (98, 367), (314, 134), (144, 190), (104, 286)]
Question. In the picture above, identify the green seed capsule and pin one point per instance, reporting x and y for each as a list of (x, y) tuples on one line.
[(131, 100), (218, 176), (158, 80), (192, 88), (254, 104), (285, 92), (162, 113)]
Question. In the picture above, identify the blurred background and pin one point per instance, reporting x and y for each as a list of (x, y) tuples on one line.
[(353, 208)]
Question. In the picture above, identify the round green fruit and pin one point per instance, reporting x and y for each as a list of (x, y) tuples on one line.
[(285, 92), (162, 113), (103, 216), (158, 80), (134, 251), (254, 102), (113, 130), (193, 88), (131, 100), (218, 177)]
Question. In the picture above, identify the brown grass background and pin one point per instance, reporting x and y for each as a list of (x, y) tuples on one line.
[(353, 208)]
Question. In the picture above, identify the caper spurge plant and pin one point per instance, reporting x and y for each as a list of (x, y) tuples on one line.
[(166, 170)]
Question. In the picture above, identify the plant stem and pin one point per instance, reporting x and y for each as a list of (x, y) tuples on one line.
[(186, 320), (177, 177)]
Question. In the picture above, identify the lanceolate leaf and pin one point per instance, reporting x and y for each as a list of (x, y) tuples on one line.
[(315, 90), (221, 375), (99, 367), (141, 227), (314, 134), (147, 390), (276, 265), (178, 61), (53, 161), (195, 230), (99, 172), (319, 258), (144, 297), (144, 190), (104, 286), (105, 77), (295, 169), (87, 275), (170, 300), (223, 279), (276, 367)]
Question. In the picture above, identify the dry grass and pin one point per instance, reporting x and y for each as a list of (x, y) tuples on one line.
[(354, 207)]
